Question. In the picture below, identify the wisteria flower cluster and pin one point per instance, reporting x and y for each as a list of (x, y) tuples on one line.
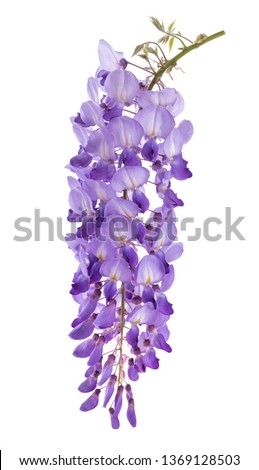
[(130, 138)]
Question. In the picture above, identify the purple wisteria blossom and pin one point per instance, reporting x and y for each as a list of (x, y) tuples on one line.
[(123, 202)]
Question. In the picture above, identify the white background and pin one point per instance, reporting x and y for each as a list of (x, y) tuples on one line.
[(204, 397)]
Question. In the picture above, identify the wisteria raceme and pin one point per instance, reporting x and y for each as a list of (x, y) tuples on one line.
[(130, 138)]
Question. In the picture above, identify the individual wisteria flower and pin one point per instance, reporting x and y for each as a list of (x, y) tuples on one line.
[(131, 138)]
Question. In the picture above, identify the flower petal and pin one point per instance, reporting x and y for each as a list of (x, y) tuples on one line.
[(131, 415), (84, 349), (141, 200), (119, 206), (93, 89), (101, 144), (160, 343), (91, 402), (108, 57), (80, 201), (126, 131), (91, 114), (155, 120), (179, 168), (165, 97), (173, 144), (88, 385), (128, 177), (106, 317), (122, 85), (173, 251), (186, 129), (116, 269), (168, 280), (149, 270)]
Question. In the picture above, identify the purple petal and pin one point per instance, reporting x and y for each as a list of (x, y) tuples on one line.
[(171, 199), (90, 371), (126, 131), (110, 290), (148, 294), (133, 373), (164, 330), (96, 354), (130, 256), (82, 160), (149, 270), (109, 390), (161, 255), (160, 343), (95, 274), (151, 360), (155, 120), (163, 305), (114, 111), (80, 202), (102, 250), (114, 419), (118, 400), (139, 232), (101, 170), (84, 349), (108, 57), (173, 251), (98, 190), (165, 97), (186, 129), (106, 317), (101, 144), (131, 415), (88, 385), (173, 144), (143, 315), (139, 363), (88, 306), (129, 393), (107, 369), (91, 114), (80, 283), (83, 330), (91, 402), (167, 280), (128, 177), (119, 206), (84, 261), (150, 150), (116, 269), (93, 89), (129, 158), (82, 133), (177, 107), (122, 85), (179, 168), (132, 336), (141, 200)]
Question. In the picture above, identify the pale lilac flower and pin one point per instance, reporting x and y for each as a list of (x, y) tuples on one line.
[(108, 57)]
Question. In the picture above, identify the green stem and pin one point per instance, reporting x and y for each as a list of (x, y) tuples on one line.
[(172, 62)]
